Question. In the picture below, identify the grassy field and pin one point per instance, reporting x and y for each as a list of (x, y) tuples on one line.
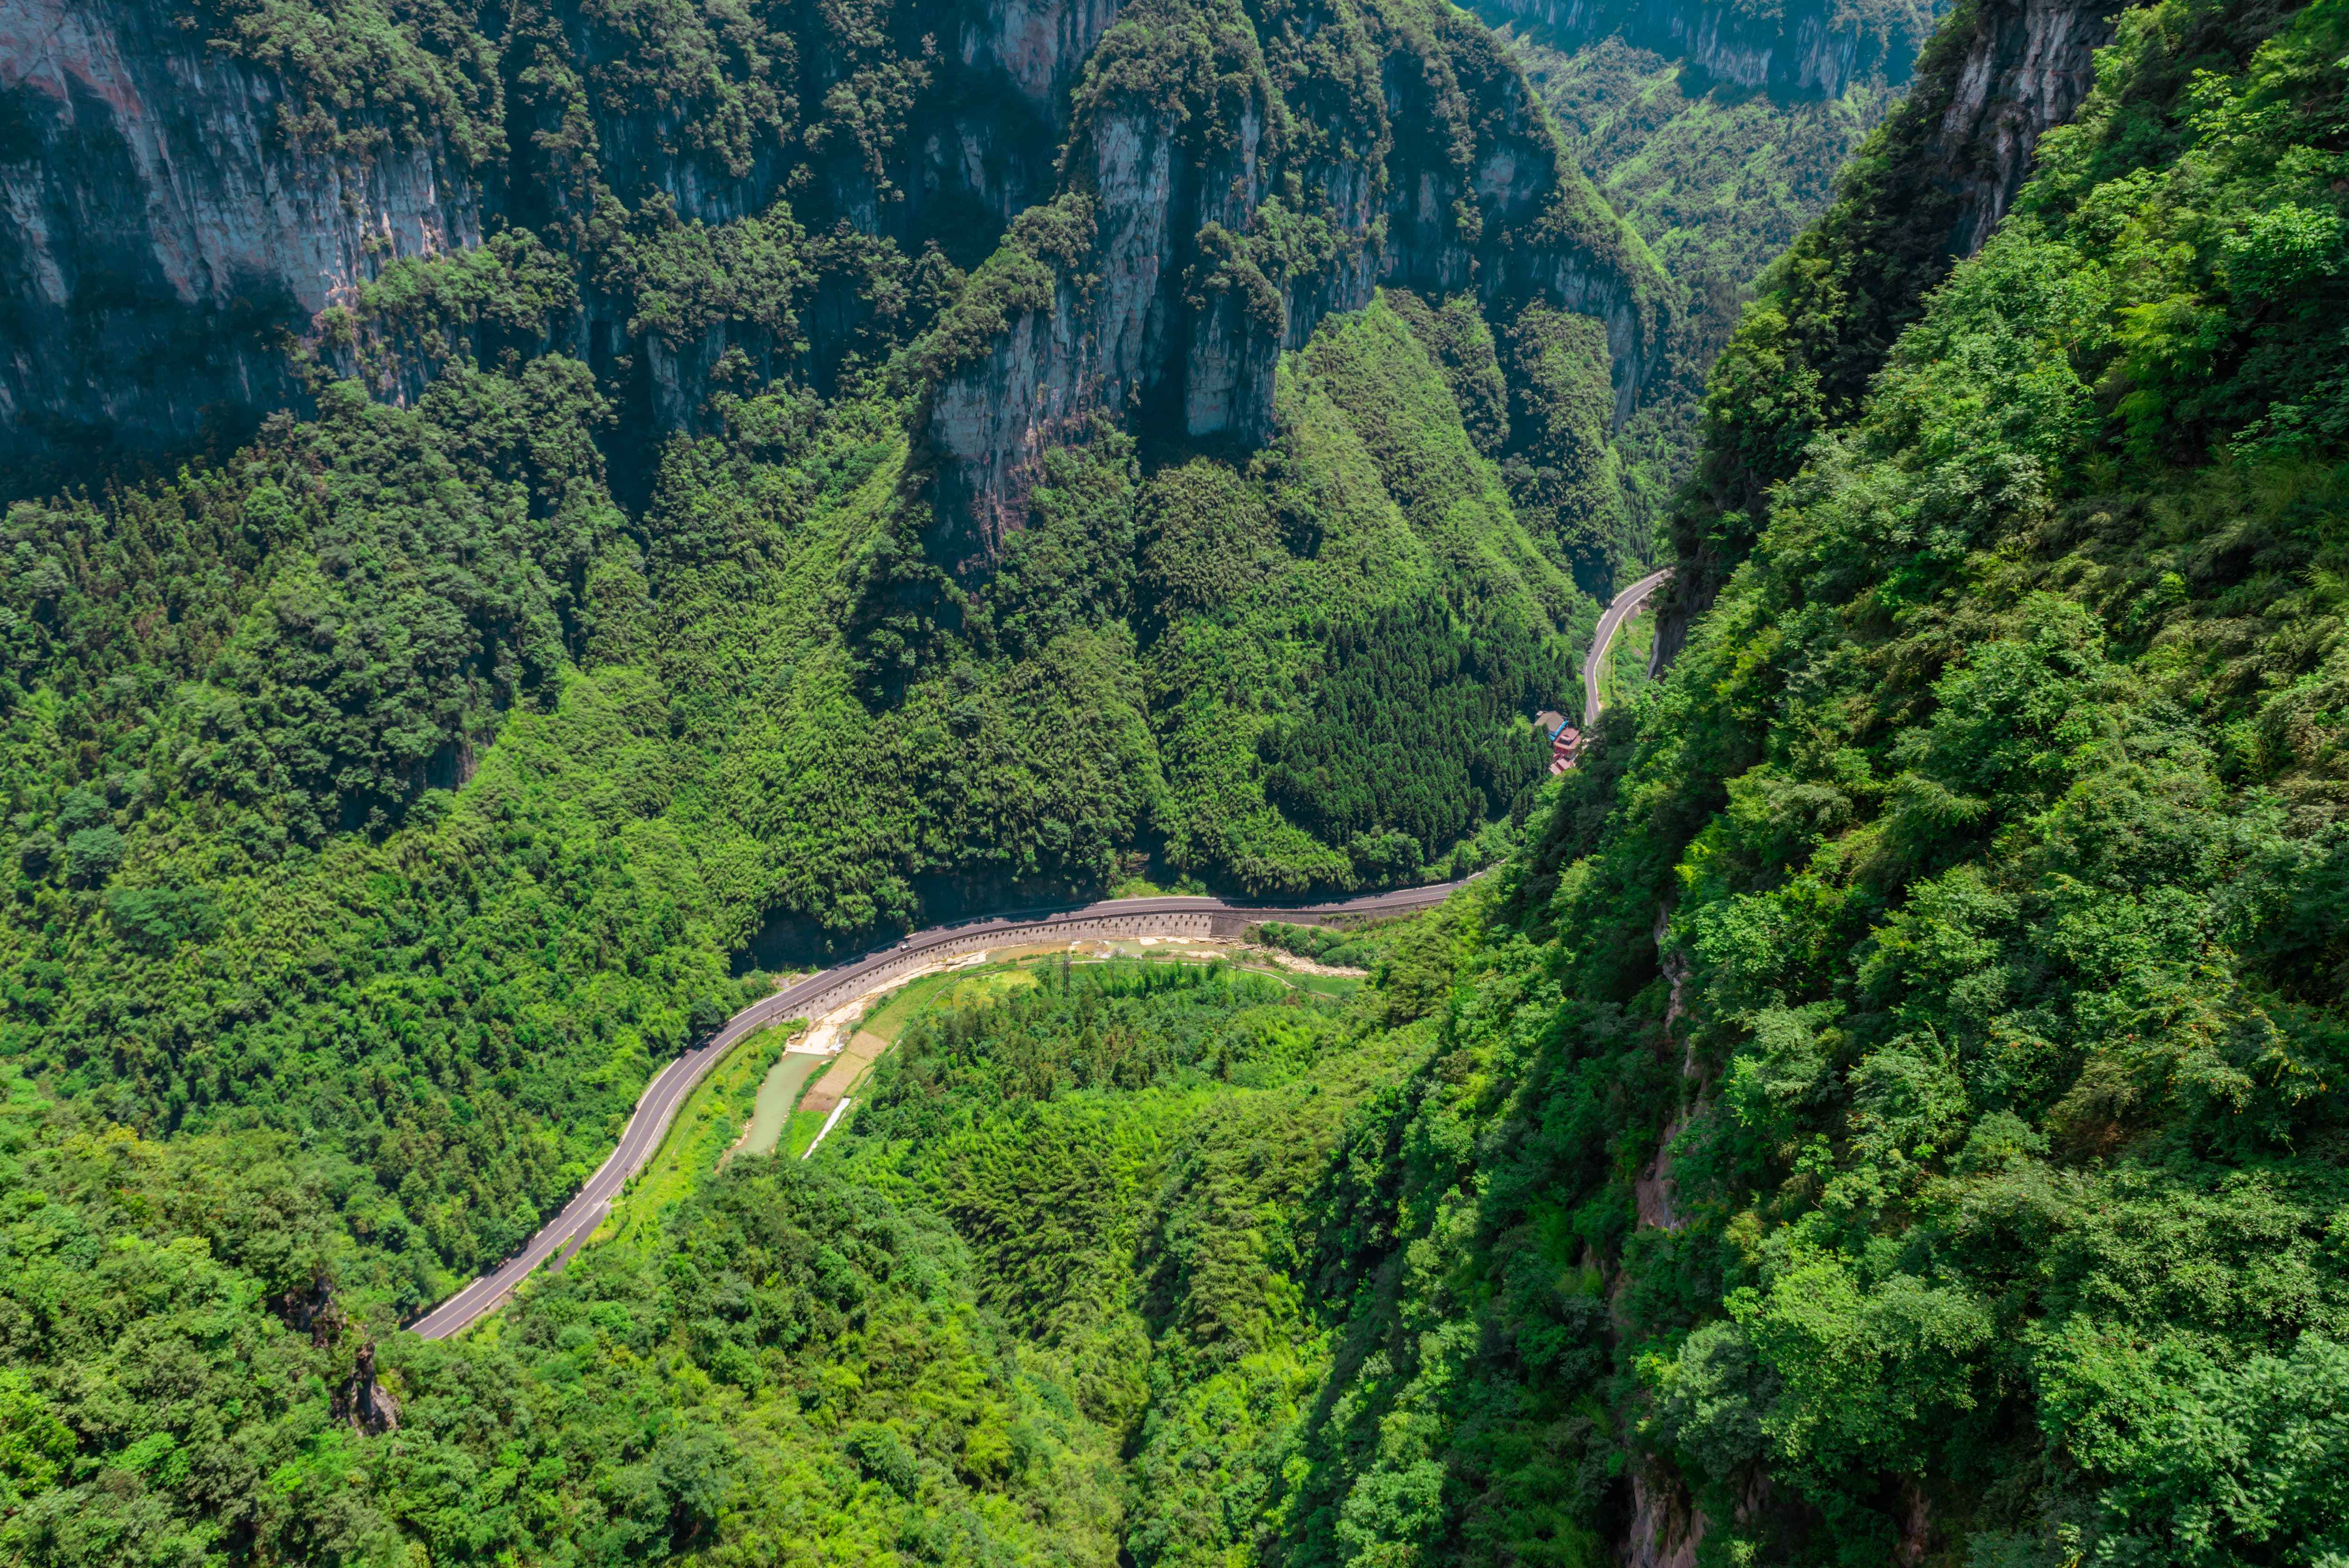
[(1325, 985), (805, 1125), (890, 1013)]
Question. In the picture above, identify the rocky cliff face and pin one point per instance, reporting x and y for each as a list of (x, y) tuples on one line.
[(1116, 339), (1038, 47), (2028, 66), (1193, 280), (158, 236), (1805, 47), (167, 237), (164, 236)]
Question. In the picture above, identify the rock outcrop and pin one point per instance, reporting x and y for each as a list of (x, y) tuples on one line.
[(158, 236), (1038, 47), (1190, 279), (178, 220), (2028, 66), (1121, 335), (167, 232)]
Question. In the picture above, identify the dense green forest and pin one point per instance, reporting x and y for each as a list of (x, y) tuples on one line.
[(935, 1343), (389, 793), (1719, 180), (1881, 1108), (1960, 1178), (380, 787)]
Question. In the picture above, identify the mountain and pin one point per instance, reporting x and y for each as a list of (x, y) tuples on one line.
[(204, 206), (1883, 1107), (1719, 178), (1895, 1116), (824, 306), (1934, 184), (782, 479)]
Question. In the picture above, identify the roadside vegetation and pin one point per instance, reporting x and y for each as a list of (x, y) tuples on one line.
[(1624, 673)]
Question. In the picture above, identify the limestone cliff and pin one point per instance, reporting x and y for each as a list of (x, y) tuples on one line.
[(1218, 235), (1039, 49), (691, 203), (158, 236), (2028, 66), (178, 205)]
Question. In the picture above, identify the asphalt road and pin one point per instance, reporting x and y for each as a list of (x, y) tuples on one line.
[(1610, 623), (670, 1086)]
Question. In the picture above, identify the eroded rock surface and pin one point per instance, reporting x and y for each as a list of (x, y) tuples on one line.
[(1805, 48), (1176, 315), (159, 234)]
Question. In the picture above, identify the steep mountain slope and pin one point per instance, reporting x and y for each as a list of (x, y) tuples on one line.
[(1925, 192), (1227, 199), (906, 547), (1896, 1116), (1719, 179), (1719, 132), (1890, 1112), (785, 189)]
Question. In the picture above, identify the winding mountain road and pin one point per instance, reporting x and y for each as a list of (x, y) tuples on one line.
[(1625, 604), (569, 1230)]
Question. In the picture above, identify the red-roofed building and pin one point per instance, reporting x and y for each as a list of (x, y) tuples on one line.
[(1564, 741)]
